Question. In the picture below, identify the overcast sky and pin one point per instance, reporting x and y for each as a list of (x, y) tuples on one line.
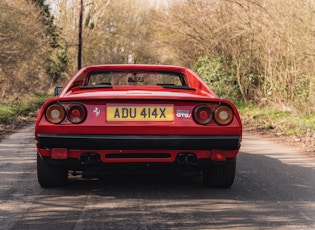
[(54, 3)]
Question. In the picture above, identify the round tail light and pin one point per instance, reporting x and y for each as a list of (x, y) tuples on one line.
[(223, 115), (55, 113), (202, 114), (76, 113)]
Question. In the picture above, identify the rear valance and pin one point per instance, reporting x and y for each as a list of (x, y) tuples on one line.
[(124, 142)]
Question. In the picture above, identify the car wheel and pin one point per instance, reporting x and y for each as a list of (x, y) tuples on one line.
[(220, 176), (50, 175)]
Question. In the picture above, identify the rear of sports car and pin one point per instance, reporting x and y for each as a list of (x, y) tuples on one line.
[(118, 130)]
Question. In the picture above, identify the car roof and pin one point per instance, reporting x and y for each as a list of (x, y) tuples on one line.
[(193, 79)]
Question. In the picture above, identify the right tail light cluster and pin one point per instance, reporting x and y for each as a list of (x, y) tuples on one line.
[(203, 114), (223, 115)]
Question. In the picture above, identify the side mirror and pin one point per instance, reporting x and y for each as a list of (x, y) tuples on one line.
[(58, 90)]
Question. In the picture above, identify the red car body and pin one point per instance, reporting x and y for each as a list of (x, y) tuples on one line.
[(144, 116)]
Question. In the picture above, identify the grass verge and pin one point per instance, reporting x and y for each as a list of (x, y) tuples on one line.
[(278, 121), (21, 108)]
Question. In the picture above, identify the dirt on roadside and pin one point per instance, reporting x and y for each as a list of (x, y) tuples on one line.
[(305, 145), (12, 126)]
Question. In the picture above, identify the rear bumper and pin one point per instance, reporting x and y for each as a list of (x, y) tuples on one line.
[(126, 167), (134, 142)]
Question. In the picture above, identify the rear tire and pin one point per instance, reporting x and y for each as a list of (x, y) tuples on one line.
[(50, 175), (220, 176)]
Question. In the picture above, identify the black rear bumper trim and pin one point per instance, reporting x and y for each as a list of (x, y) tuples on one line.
[(133, 142)]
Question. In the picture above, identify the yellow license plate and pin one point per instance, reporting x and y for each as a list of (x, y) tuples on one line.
[(139, 113)]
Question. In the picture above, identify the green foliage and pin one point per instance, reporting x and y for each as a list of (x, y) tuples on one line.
[(18, 108), (217, 74), (280, 122), (5, 113), (47, 20), (88, 23), (58, 64)]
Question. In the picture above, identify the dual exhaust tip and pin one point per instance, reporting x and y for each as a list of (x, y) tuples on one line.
[(186, 159), (90, 158)]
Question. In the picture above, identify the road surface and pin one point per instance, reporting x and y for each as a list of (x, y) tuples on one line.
[(274, 189)]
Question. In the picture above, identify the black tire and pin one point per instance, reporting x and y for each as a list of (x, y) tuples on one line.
[(50, 175), (220, 176)]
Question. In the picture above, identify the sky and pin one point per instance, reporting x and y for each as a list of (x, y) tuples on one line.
[(54, 3)]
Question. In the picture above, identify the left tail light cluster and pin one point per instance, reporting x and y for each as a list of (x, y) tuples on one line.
[(75, 113), (222, 115), (202, 114)]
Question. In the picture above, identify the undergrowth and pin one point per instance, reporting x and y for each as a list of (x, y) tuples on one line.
[(21, 107), (280, 122)]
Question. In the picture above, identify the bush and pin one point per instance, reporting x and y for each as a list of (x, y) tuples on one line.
[(217, 74), (18, 108)]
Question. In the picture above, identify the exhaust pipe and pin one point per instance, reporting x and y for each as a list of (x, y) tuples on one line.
[(94, 158), (84, 158), (90, 158), (186, 159), (181, 158), (191, 159)]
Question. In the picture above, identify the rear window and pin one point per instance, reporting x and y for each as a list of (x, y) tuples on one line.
[(134, 78)]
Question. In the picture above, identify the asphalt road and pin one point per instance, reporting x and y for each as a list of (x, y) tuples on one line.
[(274, 189)]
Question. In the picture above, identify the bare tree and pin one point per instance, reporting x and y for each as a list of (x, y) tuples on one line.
[(269, 44), (266, 46), (113, 31), (23, 46), (121, 34)]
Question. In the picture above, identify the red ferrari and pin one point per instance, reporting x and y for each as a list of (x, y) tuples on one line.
[(116, 118)]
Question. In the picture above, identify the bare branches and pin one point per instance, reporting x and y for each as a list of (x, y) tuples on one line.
[(267, 46), (266, 41), (22, 45)]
